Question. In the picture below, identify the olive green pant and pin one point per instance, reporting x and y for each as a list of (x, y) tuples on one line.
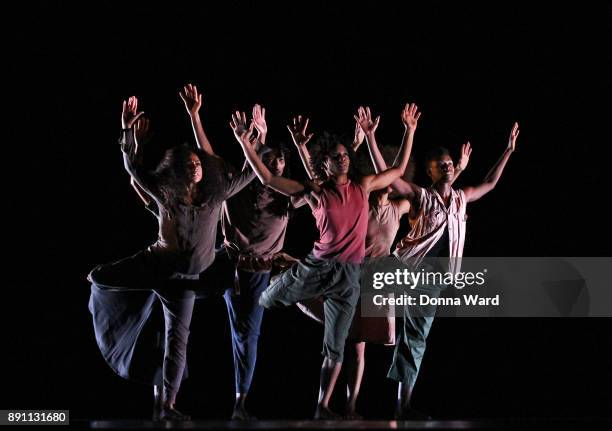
[(336, 282)]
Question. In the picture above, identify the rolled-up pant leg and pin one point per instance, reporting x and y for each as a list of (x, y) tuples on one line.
[(412, 337), (410, 348), (310, 278), (245, 315), (341, 296)]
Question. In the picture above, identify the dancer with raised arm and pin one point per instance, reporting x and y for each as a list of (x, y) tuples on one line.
[(383, 223), (178, 260), (339, 203), (254, 223), (438, 230)]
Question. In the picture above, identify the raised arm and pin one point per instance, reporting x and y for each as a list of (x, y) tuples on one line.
[(132, 159), (399, 185), (141, 135), (243, 135), (144, 197), (358, 138), (464, 159), (300, 138), (193, 101), (490, 181), (130, 113), (389, 176), (259, 121)]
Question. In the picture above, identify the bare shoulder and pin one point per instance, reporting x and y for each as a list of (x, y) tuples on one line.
[(403, 205)]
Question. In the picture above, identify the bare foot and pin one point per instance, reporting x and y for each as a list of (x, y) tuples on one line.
[(240, 414), (324, 413), (352, 415), (172, 414)]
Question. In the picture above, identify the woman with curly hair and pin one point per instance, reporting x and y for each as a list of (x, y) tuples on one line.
[(178, 263)]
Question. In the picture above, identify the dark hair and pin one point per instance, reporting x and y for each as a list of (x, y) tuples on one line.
[(327, 143), (281, 205), (435, 154), (285, 151), (171, 174)]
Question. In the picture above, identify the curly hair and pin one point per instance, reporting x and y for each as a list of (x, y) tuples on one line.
[(323, 149), (172, 176)]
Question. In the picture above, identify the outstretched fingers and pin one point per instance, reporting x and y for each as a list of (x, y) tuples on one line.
[(513, 135), (305, 126)]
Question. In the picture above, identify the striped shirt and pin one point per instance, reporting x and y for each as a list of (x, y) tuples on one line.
[(428, 226)]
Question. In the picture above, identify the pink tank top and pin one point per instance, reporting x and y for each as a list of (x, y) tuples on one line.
[(342, 220)]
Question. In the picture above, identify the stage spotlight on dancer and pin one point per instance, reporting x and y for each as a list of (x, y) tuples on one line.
[(339, 203), (383, 223), (438, 221), (175, 266), (254, 224)]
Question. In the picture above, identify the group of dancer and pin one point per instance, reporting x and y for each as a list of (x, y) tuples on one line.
[(191, 188)]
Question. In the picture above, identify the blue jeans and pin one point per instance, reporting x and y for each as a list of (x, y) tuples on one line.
[(245, 316), (242, 291)]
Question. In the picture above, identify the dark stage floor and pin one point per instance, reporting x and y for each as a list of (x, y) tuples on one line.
[(505, 423)]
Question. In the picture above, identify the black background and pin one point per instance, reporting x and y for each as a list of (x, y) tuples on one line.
[(473, 70)]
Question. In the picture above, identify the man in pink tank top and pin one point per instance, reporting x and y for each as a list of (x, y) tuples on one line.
[(340, 206), (383, 222)]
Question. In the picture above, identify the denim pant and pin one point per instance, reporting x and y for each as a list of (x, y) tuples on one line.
[(245, 316)]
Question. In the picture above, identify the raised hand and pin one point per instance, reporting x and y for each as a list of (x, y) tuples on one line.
[(464, 158), (298, 131), (410, 116), (364, 119), (513, 135), (359, 136), (238, 124), (129, 113), (191, 98), (259, 120)]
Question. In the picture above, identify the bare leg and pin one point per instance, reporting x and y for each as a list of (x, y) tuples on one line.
[(355, 366), (330, 371)]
